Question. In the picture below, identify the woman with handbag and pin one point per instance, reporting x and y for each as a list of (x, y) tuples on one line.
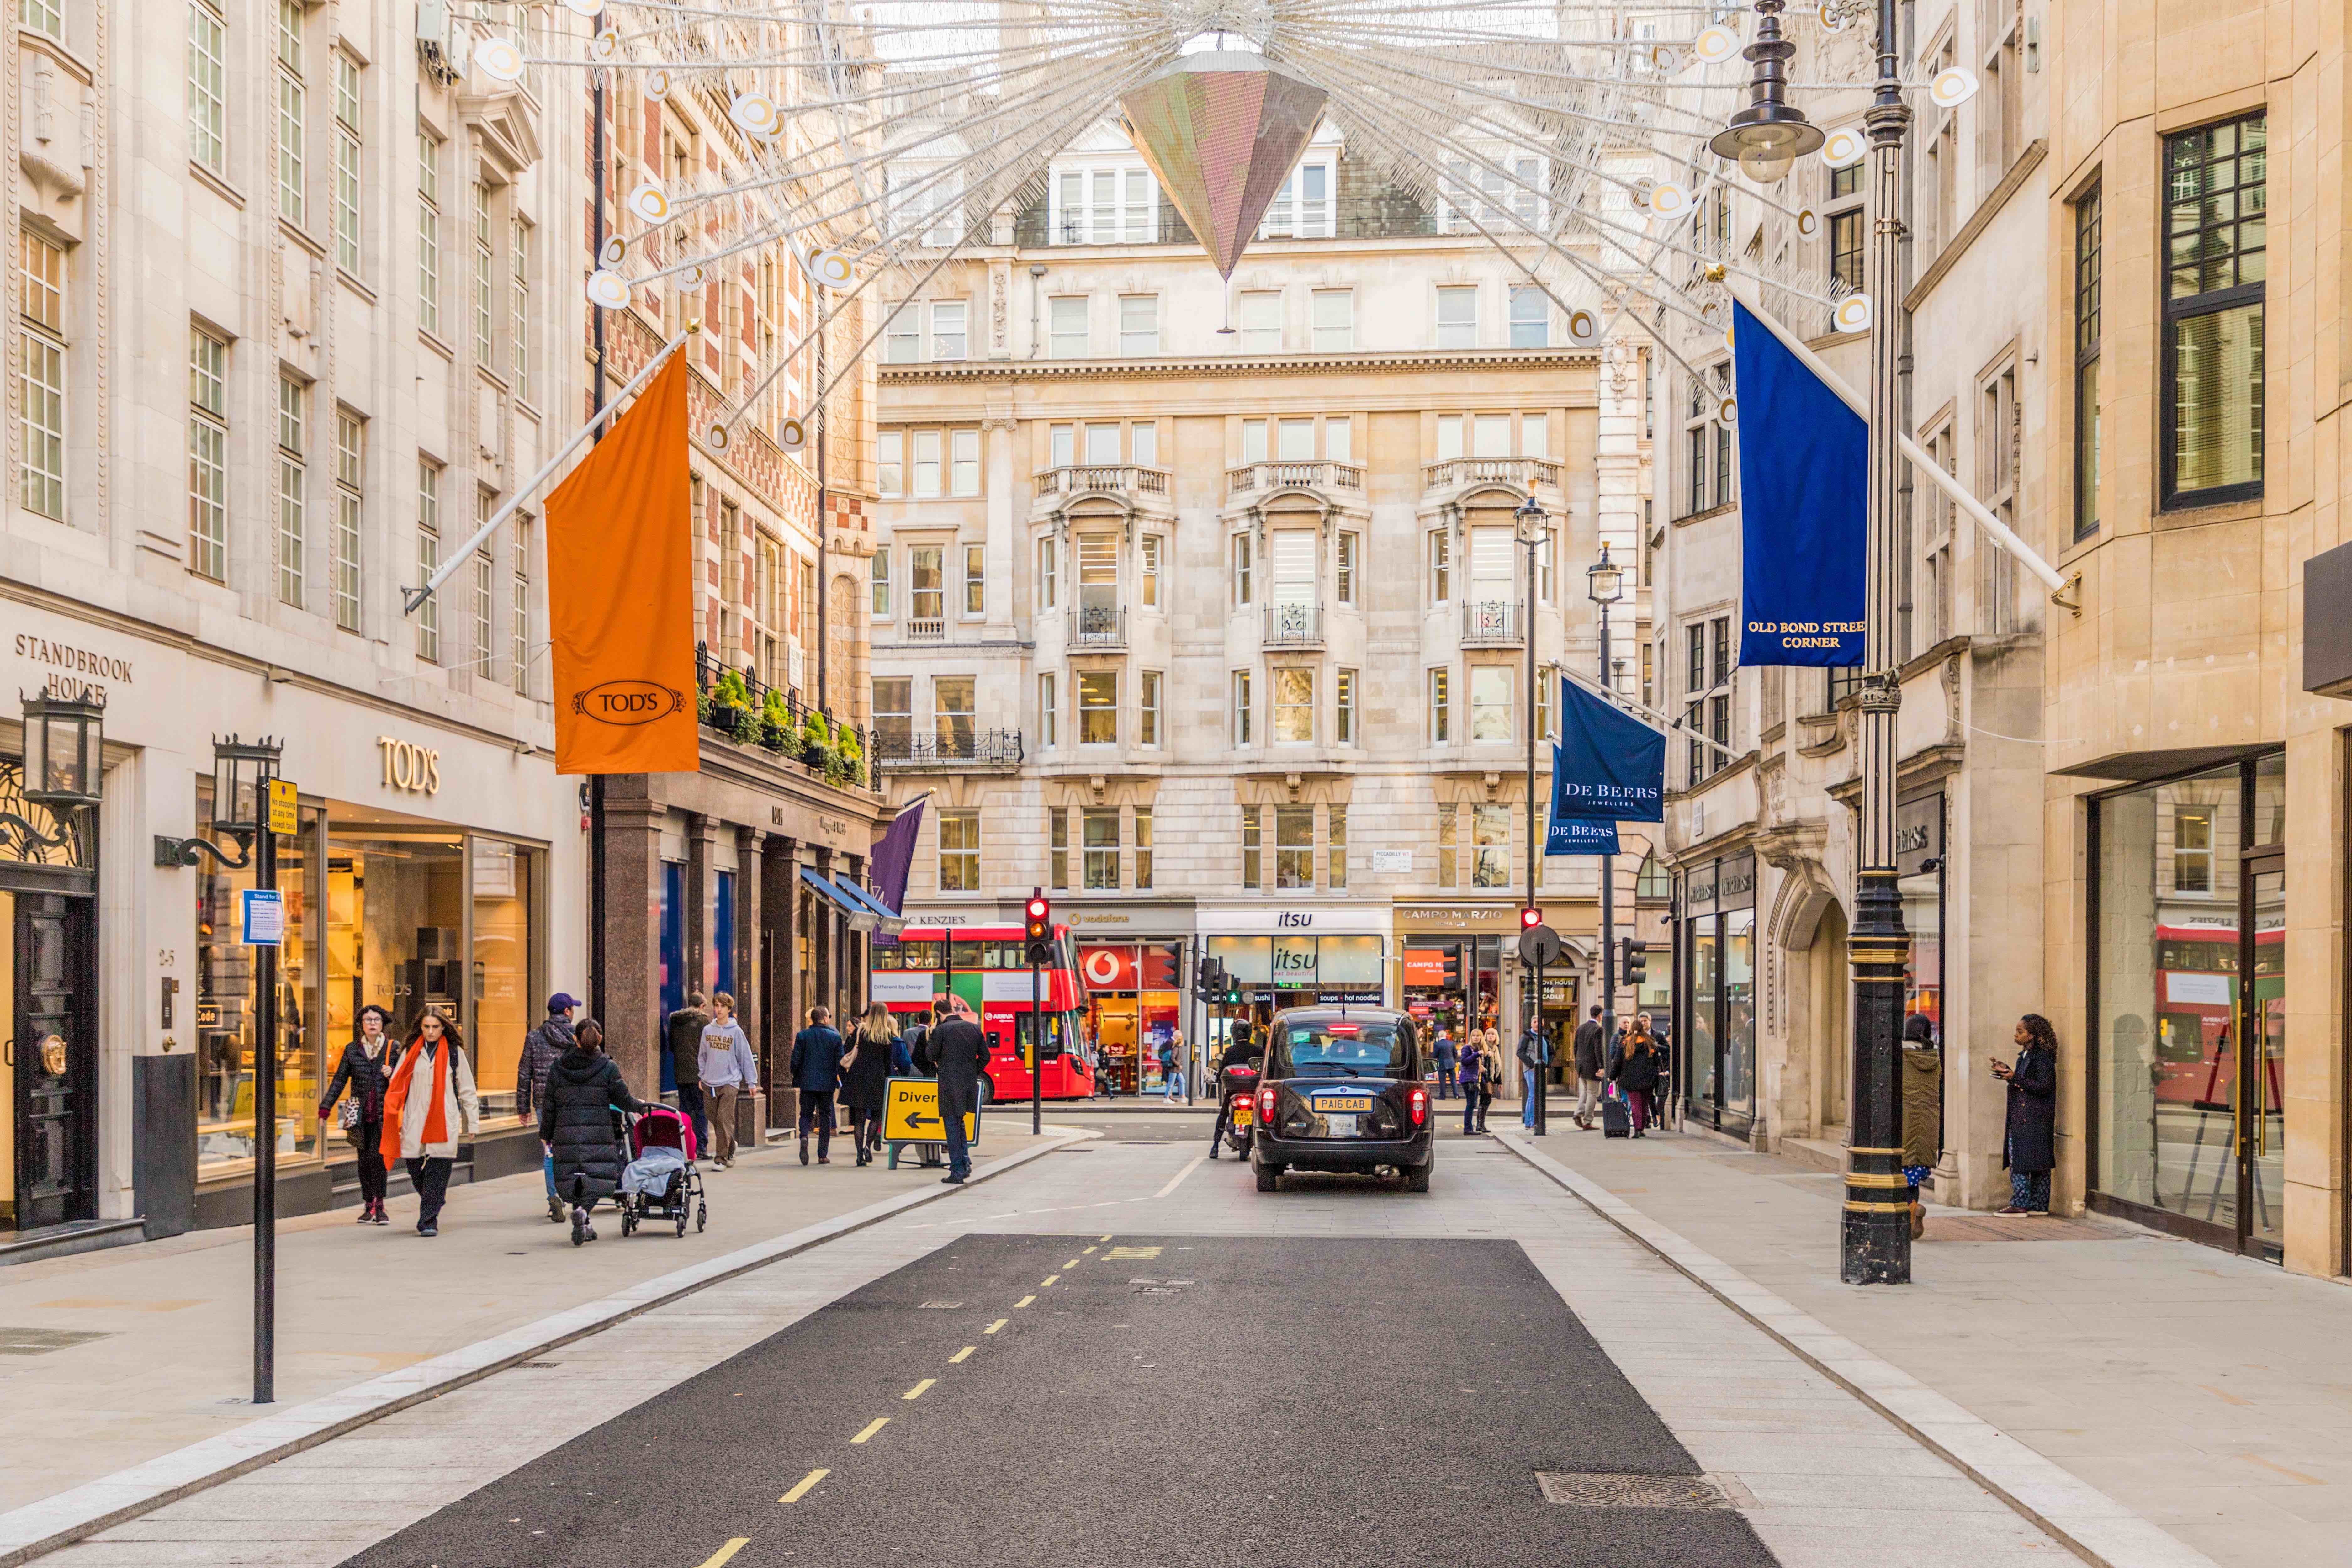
[(1490, 1073), (366, 1072), (865, 1079)]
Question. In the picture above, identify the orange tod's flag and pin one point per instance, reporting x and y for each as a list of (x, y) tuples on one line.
[(620, 588)]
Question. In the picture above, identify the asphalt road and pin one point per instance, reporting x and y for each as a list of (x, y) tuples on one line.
[(1135, 1400)]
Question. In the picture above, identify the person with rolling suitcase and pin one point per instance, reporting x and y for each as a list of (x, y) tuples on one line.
[(1616, 1114)]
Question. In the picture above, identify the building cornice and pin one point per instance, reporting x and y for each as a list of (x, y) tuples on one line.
[(1226, 367)]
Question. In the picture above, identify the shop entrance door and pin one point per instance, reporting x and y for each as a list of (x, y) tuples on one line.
[(2261, 1067), (51, 1059)]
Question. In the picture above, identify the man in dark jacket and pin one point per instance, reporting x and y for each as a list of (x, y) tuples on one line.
[(575, 1122), (961, 1051), (1449, 1059), (1587, 1068), (540, 1049), (816, 1073), (683, 1035)]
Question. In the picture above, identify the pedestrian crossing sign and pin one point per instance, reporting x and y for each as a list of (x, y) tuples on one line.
[(911, 1114)]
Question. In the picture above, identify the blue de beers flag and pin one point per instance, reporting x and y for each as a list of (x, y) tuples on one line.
[(1608, 768), (1804, 472)]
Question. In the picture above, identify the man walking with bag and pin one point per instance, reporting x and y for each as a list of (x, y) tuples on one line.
[(1587, 1068), (960, 1051), (816, 1073)]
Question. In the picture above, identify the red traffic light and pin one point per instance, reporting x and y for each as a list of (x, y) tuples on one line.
[(1039, 909), (1529, 919)]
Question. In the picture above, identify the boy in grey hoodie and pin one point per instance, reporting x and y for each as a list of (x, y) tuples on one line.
[(726, 1068)]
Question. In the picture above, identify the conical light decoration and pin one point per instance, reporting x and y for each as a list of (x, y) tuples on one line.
[(1221, 129)]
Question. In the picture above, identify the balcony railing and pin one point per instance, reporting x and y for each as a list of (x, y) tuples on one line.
[(741, 706), (1525, 473), (1120, 478), (1098, 628), (1299, 476), (958, 748), (1293, 626), (1491, 623), (927, 628)]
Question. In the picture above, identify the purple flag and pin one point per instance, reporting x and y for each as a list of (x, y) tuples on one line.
[(894, 856)]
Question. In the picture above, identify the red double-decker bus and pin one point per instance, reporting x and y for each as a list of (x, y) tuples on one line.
[(2200, 989), (983, 966)]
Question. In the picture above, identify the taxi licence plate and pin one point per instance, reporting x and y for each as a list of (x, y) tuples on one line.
[(1352, 1102)]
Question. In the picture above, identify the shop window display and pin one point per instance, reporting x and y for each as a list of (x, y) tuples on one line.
[(226, 1009)]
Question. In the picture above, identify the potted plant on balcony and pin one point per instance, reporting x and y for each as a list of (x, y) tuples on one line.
[(816, 739), (729, 704), (776, 730), (846, 764)]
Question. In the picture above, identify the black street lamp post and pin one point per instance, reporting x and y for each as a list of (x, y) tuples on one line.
[(1605, 585), (1534, 532)]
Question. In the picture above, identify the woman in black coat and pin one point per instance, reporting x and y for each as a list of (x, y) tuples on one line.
[(576, 1122), (1635, 1074), (366, 1072), (2029, 1147), (865, 1079)]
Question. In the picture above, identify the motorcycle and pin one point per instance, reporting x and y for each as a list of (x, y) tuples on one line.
[(1238, 1087)]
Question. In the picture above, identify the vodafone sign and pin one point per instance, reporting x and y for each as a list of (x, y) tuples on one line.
[(1108, 968)]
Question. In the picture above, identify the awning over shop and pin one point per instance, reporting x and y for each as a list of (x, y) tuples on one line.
[(860, 917), (889, 922)]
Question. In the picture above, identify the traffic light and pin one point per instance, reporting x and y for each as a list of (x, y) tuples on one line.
[(1530, 918), (1454, 969), (1037, 931), (1209, 980), (1636, 955)]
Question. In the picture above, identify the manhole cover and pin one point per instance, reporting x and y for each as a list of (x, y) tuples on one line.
[(1159, 1287), (41, 1342), (939, 1306), (1579, 1490)]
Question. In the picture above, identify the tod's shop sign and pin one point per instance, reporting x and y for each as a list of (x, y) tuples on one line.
[(416, 770)]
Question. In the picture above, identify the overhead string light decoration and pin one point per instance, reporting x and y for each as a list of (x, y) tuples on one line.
[(872, 144)]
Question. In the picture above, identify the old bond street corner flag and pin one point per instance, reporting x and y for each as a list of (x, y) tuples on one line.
[(1804, 474), (1609, 767), (620, 590)]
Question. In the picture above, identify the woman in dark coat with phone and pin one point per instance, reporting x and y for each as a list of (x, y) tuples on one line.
[(2030, 1146), (578, 1124), (865, 1078), (366, 1071)]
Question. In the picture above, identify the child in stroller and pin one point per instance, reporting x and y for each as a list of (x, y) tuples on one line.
[(660, 1182)]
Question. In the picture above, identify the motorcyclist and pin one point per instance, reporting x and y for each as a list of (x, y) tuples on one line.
[(1246, 1047)]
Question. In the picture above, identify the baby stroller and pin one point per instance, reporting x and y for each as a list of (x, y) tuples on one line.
[(660, 1182)]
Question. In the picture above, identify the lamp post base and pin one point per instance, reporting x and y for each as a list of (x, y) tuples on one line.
[(1876, 1224)]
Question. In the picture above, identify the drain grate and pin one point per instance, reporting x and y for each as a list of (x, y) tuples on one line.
[(1581, 1490), (40, 1342)]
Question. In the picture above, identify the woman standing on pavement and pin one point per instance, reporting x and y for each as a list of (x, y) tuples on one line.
[(429, 1108), (366, 1071), (1470, 1064), (2029, 1147), (865, 1079), (1490, 1074), (1636, 1077), (577, 1124)]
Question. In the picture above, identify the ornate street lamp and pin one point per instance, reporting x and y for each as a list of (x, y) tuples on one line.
[(64, 737), (1605, 585), (1532, 528), (1770, 135), (241, 774)]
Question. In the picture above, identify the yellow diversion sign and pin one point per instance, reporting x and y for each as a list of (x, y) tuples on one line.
[(912, 1115)]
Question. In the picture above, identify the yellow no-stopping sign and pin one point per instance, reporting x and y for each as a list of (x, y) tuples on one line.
[(911, 1114)]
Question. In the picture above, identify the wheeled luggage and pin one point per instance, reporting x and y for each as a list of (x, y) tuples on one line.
[(1616, 1117)]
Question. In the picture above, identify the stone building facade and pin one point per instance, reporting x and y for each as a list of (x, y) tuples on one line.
[(1220, 637)]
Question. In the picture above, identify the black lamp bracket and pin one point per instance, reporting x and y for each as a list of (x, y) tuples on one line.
[(172, 851)]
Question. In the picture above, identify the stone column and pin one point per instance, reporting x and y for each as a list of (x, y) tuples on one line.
[(750, 975), (828, 990), (701, 905), (780, 1012), (632, 917)]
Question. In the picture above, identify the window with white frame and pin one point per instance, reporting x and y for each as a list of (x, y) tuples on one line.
[(1097, 205), (1334, 320), (1242, 710), (484, 594), (1102, 445), (1065, 324), (1097, 707), (902, 336), (1338, 433), (207, 455), (948, 338), (347, 163), (518, 603), (485, 270), (927, 476), (1343, 707), (1049, 711), (960, 851), (46, 16), (955, 713), (1457, 318), (1100, 827), (1048, 574), (207, 86), (975, 581), (1490, 846), (293, 520), (1293, 706), (894, 714), (429, 232), (428, 558), (1490, 702), (927, 583), (1441, 705), (41, 378), (964, 462), (1245, 569), (1146, 708), (1261, 323), (1305, 206), (293, 115), (1294, 847), (1530, 316), (1061, 446), (1254, 447), (1143, 444), (1441, 565), (1057, 827), (1335, 857), (1151, 544), (350, 475), (879, 579), (1138, 324), (1252, 848), (1142, 848), (1344, 584), (518, 311)]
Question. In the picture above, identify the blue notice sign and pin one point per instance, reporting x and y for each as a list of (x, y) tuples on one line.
[(264, 912)]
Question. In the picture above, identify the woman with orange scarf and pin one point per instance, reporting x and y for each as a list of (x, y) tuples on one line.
[(429, 1108)]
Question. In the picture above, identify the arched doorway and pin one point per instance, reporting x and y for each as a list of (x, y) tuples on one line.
[(1832, 984)]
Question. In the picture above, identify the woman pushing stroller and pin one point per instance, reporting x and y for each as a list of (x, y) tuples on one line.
[(579, 1122)]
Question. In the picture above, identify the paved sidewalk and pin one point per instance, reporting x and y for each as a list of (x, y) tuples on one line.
[(167, 1359), (2210, 1394)]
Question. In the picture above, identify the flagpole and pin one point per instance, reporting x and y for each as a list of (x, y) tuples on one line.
[(412, 598), (1875, 1229)]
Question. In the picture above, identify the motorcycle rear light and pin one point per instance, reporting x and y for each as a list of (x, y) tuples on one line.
[(1266, 1105), (1418, 1099)]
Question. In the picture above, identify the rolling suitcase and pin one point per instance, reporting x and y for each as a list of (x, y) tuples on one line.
[(1616, 1117)]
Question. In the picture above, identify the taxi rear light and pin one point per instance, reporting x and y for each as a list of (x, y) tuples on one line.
[(1266, 1104), (1418, 1099)]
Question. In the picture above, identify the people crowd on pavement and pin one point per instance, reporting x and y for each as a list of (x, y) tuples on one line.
[(723, 1069)]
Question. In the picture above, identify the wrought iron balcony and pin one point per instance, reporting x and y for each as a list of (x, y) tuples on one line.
[(1521, 473), (1098, 628), (1293, 626), (1492, 623), (1118, 478), (1294, 476), (903, 749)]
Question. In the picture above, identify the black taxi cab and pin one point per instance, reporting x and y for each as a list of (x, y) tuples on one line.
[(1342, 1090)]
